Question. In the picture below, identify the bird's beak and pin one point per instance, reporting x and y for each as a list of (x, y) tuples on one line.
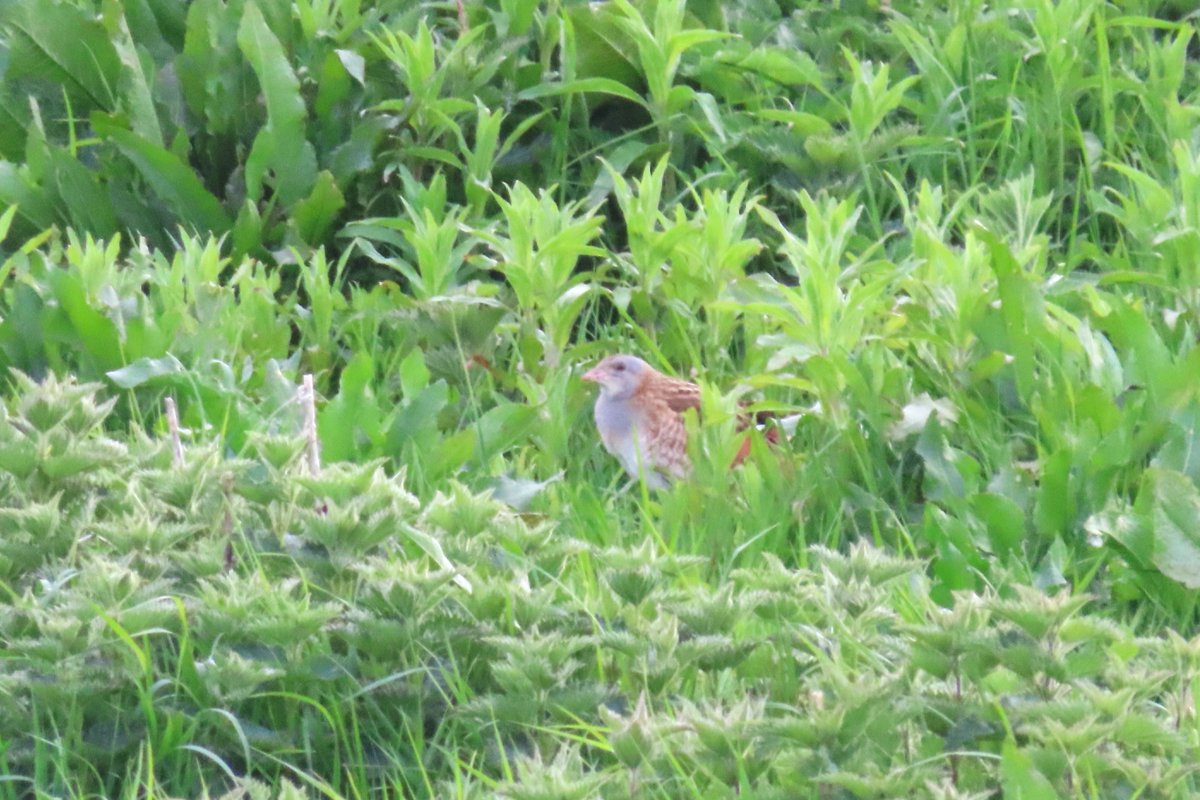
[(592, 375)]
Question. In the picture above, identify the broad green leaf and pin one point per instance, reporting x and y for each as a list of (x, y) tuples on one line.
[(414, 375), (249, 230), (353, 417), (1056, 507), (32, 201), (603, 49), (503, 426), (79, 190), (92, 331), (212, 73), (354, 63), (787, 67), (333, 87), (686, 40), (172, 180), (280, 147), (943, 481), (315, 215), (451, 453), (357, 154), (416, 420), (156, 25), (1180, 449), (1175, 519), (13, 124), (1146, 358), (137, 99), (54, 40), (438, 154), (1019, 778), (6, 221), (145, 370), (1020, 306), (1005, 522)]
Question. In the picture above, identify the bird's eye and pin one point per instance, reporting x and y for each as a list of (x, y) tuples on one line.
[(619, 366)]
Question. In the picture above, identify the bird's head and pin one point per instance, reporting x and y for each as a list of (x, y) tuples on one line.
[(619, 376)]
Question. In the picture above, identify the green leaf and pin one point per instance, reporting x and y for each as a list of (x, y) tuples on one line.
[(414, 375), (136, 97), (280, 147), (145, 370), (686, 40), (417, 418), (1056, 506), (800, 122), (583, 86), (602, 48), (354, 415), (57, 41), (1005, 522), (333, 86), (789, 67), (1019, 305), (1174, 514), (212, 73), (354, 64), (943, 481), (434, 550), (314, 215), (32, 201), (1019, 777), (6, 221), (356, 154), (79, 190), (503, 426), (92, 332), (171, 179)]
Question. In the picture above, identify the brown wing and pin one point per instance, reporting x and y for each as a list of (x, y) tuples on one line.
[(666, 441), (678, 395), (664, 435), (682, 395)]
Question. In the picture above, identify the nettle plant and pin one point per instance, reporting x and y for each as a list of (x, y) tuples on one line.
[(227, 598)]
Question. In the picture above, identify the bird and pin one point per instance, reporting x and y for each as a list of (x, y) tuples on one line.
[(639, 416)]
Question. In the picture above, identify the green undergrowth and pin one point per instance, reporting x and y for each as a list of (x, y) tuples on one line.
[(222, 624), (959, 240)]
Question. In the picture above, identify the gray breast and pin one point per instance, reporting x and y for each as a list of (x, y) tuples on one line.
[(613, 423), (616, 424)]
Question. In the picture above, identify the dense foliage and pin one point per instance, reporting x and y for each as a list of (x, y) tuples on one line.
[(960, 239)]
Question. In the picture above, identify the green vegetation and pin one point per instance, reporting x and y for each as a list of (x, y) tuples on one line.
[(961, 239)]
